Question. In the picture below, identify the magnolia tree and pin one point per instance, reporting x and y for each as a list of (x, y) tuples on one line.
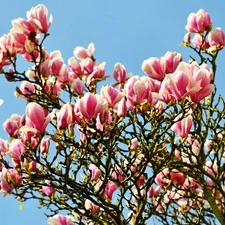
[(143, 147)]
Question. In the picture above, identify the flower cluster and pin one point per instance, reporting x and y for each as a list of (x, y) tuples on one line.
[(200, 24)]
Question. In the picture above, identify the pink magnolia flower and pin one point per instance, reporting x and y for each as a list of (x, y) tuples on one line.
[(174, 86), (90, 105), (197, 41), (122, 108), (120, 74), (97, 74), (187, 39), (154, 68), (35, 118), (7, 46), (112, 95), (211, 168), (29, 46), (138, 91), (22, 26), (77, 86), (89, 205), (56, 65), (4, 147), (202, 76), (12, 125), (183, 127), (52, 86), (31, 56), (9, 178), (153, 192), (44, 145), (110, 189), (56, 54), (48, 191), (46, 68), (162, 178), (38, 16), (18, 40), (195, 145), (198, 22), (75, 67), (118, 175), (139, 178), (82, 53), (27, 90), (16, 148), (177, 177), (61, 220), (66, 117), (63, 76), (94, 172), (133, 144), (171, 61), (31, 166), (217, 38), (29, 135), (87, 65)]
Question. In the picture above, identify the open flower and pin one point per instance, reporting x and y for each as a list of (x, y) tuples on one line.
[(198, 22), (38, 17), (61, 220)]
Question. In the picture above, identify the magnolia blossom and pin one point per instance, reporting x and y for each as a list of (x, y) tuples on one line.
[(154, 68), (138, 91), (12, 125), (217, 38), (133, 144), (187, 39), (122, 108), (94, 172), (77, 86), (38, 17), (110, 189), (23, 26), (61, 220), (183, 126), (35, 118), (66, 117), (120, 74), (198, 22), (82, 53), (91, 206), (16, 148), (112, 95), (27, 90), (90, 105), (197, 41), (118, 175), (171, 61), (8, 179), (4, 147), (75, 67), (44, 145), (6, 46)]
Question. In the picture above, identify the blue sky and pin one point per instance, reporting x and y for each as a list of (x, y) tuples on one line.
[(125, 31)]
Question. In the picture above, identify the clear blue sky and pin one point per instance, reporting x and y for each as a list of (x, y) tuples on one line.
[(125, 31)]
